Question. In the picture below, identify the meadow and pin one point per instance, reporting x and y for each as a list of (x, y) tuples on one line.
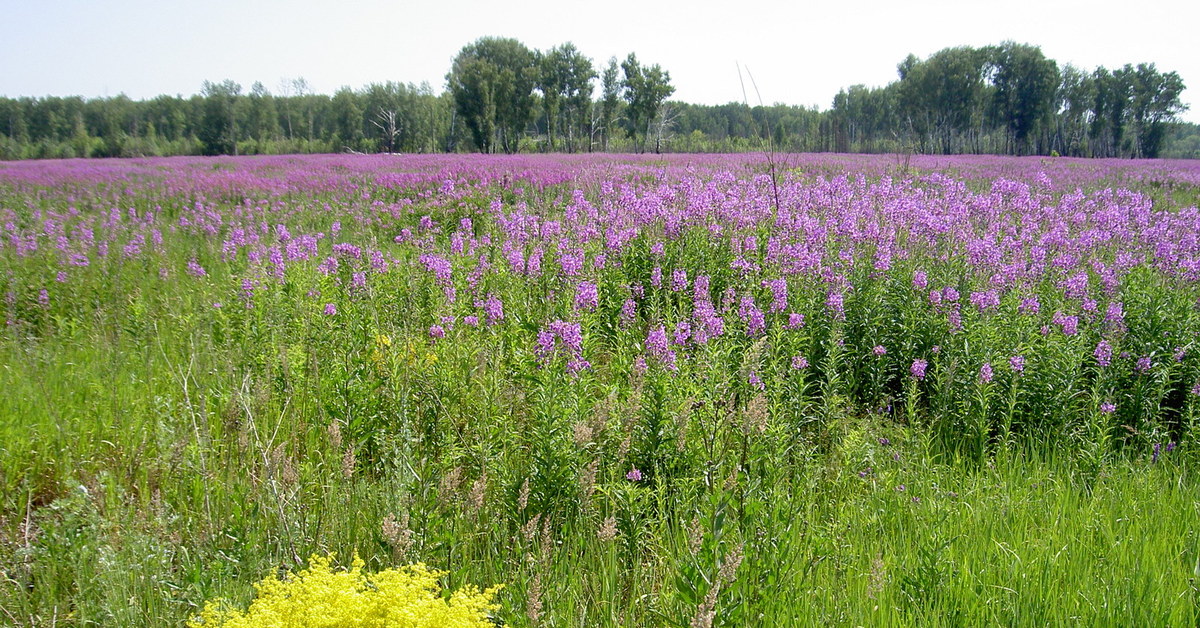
[(743, 390)]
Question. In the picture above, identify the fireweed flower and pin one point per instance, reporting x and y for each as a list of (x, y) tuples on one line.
[(545, 344), (799, 362), (700, 288), (779, 294), (795, 320), (1144, 364), (918, 368), (493, 309), (984, 301), (1068, 323), (656, 342), (1155, 454), (920, 280), (1103, 353), (634, 475), (683, 331), (437, 331), (628, 311), (879, 351), (749, 312), (1115, 313), (679, 280), (1017, 363), (985, 373), (195, 269), (330, 309), (571, 335), (1029, 305), (836, 305), (587, 296), (755, 381), (1108, 407)]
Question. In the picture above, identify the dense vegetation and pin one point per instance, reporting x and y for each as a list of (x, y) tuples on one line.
[(633, 390), (503, 97)]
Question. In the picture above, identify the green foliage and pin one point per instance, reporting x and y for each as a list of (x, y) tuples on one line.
[(492, 83), (645, 91)]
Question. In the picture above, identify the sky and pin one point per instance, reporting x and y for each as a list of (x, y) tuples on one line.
[(798, 52)]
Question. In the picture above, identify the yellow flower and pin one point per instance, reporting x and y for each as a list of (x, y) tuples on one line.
[(319, 596)]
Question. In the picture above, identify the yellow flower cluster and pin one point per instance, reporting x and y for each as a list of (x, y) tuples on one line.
[(321, 596)]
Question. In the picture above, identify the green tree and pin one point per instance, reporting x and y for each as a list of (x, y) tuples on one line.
[(1025, 84), (610, 99), (218, 132), (646, 88), (565, 81), (492, 83), (261, 117), (1154, 103), (347, 120), (1110, 111)]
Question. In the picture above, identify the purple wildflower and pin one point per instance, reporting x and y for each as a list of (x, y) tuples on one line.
[(1144, 364), (1103, 353), (984, 301), (628, 311), (330, 309), (799, 362), (920, 280), (1108, 407), (879, 351), (1017, 363), (493, 309), (195, 269), (634, 475), (918, 368), (749, 312), (779, 294), (836, 304), (587, 296), (679, 280), (656, 342), (985, 373)]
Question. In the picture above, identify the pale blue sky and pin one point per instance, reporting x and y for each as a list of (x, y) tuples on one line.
[(799, 52)]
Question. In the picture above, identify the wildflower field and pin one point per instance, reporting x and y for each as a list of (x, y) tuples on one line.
[(679, 390)]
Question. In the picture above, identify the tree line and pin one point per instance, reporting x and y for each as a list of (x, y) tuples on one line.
[(1010, 99), (502, 96)]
